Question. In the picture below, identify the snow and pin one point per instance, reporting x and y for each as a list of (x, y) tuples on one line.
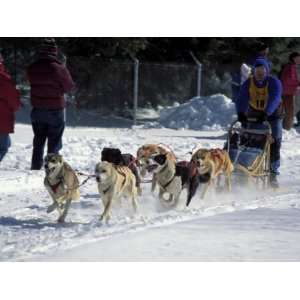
[(248, 224), (201, 113)]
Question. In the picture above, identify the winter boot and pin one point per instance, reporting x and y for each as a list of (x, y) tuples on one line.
[(273, 181)]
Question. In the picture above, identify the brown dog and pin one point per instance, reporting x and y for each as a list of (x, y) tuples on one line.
[(213, 162), (146, 152)]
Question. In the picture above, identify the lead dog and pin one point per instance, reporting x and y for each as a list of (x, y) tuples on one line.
[(213, 162), (147, 151), (62, 184), (114, 182)]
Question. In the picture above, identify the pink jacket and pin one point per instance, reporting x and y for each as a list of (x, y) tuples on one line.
[(290, 80)]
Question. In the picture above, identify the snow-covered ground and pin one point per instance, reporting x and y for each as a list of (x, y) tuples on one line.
[(246, 225), (200, 113)]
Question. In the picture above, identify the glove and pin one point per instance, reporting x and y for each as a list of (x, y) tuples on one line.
[(262, 118), (242, 118)]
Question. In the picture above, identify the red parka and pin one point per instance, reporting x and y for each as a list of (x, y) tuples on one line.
[(49, 80), (9, 102), (290, 80)]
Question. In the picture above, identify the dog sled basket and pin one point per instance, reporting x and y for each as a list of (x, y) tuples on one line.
[(249, 148)]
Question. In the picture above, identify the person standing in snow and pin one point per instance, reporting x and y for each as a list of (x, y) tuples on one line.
[(260, 97), (9, 104), (290, 84), (49, 81)]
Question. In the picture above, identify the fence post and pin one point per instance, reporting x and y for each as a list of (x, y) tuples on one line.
[(135, 86), (199, 73), (136, 89)]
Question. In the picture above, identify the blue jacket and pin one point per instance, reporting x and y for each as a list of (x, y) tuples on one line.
[(274, 99), (274, 90)]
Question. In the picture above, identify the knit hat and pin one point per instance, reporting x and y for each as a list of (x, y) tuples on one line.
[(48, 46), (262, 62)]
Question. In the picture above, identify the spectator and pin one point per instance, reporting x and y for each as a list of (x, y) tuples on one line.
[(290, 84), (238, 78), (9, 104), (49, 80)]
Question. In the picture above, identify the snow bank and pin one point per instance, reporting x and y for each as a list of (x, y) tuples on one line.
[(201, 113)]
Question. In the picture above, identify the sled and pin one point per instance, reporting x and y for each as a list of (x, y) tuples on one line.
[(249, 150)]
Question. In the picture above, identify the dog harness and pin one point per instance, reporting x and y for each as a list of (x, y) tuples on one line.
[(55, 186), (105, 191), (122, 174), (169, 182), (192, 171)]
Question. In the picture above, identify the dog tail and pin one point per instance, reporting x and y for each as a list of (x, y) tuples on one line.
[(192, 189)]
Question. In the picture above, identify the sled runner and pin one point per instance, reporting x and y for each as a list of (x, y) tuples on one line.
[(249, 149)]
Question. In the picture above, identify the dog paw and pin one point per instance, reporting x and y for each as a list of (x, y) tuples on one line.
[(104, 219), (51, 208), (143, 219), (139, 191), (61, 220)]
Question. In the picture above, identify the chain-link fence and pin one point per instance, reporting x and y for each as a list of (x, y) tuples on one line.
[(107, 87)]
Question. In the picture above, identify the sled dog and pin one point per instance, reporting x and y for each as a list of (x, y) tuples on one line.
[(113, 183), (62, 184), (173, 177), (149, 150), (213, 162)]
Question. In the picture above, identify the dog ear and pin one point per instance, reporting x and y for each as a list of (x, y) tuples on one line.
[(48, 156), (104, 154), (160, 158)]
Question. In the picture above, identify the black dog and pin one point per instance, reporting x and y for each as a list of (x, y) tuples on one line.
[(187, 171), (114, 156)]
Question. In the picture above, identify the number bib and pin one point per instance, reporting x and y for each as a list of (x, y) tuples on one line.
[(258, 96)]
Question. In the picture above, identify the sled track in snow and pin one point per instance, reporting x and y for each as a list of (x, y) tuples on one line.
[(75, 234)]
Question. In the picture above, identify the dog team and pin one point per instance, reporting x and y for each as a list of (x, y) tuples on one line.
[(119, 175)]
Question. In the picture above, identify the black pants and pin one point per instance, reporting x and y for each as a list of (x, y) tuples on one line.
[(47, 126)]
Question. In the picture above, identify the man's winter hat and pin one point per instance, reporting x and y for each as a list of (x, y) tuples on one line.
[(48, 46), (262, 62)]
